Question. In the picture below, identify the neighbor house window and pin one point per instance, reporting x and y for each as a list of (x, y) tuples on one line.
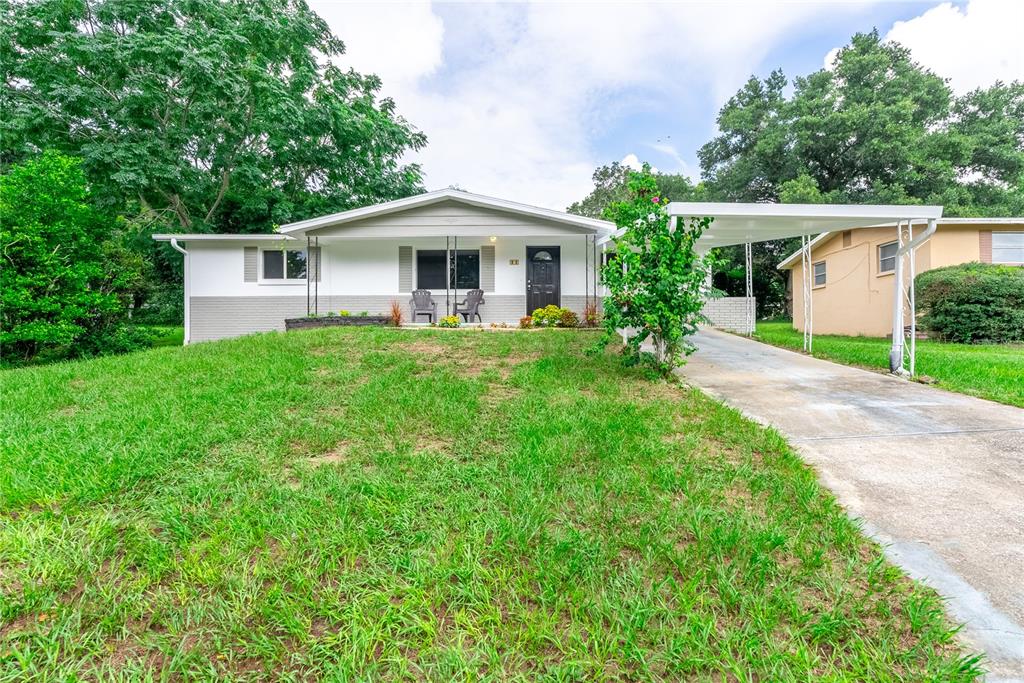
[(430, 269), (1008, 247), (887, 257), (284, 264), (819, 274)]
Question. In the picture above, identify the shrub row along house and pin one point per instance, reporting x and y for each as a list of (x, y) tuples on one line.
[(853, 270)]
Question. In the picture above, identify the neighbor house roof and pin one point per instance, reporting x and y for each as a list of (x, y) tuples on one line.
[(738, 223), (590, 225), (790, 261)]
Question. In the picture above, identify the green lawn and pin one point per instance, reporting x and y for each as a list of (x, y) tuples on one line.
[(992, 371), (419, 504), (167, 335)]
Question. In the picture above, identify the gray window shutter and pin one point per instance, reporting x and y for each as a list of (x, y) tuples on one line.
[(315, 264), (404, 269), (487, 268), (249, 271)]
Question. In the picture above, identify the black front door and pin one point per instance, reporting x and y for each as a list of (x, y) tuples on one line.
[(543, 277)]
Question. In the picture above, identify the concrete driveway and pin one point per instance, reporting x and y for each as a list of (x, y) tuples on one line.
[(936, 477)]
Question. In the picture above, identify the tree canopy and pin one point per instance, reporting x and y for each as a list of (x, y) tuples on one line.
[(65, 283), (874, 127), (611, 184), (202, 114)]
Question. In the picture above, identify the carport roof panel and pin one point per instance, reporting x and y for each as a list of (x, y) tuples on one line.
[(741, 223)]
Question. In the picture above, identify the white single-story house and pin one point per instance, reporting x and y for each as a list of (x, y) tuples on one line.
[(522, 257)]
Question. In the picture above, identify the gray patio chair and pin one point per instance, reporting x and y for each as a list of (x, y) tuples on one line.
[(470, 306), (422, 303)]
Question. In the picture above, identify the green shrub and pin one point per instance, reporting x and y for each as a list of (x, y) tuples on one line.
[(67, 281), (973, 302), (553, 316)]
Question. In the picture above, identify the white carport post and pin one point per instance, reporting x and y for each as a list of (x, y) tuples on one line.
[(807, 280), (907, 245), (748, 253)]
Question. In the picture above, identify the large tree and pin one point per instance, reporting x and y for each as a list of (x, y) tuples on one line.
[(204, 114)]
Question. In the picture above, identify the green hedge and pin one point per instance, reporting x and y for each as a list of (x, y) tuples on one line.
[(973, 302)]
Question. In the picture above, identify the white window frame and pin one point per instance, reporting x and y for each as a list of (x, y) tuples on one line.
[(282, 280), (893, 257), (1001, 233), (814, 274)]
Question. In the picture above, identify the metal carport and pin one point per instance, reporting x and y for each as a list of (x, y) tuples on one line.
[(746, 223)]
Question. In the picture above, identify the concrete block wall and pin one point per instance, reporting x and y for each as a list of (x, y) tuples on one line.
[(730, 313)]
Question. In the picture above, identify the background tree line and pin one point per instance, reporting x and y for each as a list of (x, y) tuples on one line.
[(874, 127), (180, 115)]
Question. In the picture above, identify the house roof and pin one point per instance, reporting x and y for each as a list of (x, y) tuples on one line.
[(588, 225), (220, 237), (790, 261)]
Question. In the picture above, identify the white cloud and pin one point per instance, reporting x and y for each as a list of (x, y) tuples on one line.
[(512, 96), (830, 58), (972, 46), (633, 161)]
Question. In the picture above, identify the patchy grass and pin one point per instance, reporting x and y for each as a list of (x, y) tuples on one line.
[(991, 371), (415, 504)]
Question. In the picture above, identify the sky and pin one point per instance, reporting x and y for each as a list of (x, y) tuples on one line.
[(524, 101)]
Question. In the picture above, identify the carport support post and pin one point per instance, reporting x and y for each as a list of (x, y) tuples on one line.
[(748, 251), (896, 352)]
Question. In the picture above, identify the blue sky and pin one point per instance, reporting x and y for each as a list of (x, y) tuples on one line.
[(523, 101)]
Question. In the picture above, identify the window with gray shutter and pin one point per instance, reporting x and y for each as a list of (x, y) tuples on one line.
[(404, 269), (250, 268), (487, 268)]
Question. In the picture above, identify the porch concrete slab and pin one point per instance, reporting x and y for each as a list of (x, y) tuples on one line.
[(936, 477)]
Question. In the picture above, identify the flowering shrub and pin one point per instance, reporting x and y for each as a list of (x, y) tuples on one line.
[(449, 321), (526, 322), (656, 282), (549, 316), (553, 316)]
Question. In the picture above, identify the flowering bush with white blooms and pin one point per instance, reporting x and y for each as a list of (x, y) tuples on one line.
[(656, 280)]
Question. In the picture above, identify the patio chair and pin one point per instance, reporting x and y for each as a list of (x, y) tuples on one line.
[(422, 303), (470, 306)]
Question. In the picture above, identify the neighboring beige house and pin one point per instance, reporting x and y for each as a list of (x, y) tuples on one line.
[(853, 269)]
